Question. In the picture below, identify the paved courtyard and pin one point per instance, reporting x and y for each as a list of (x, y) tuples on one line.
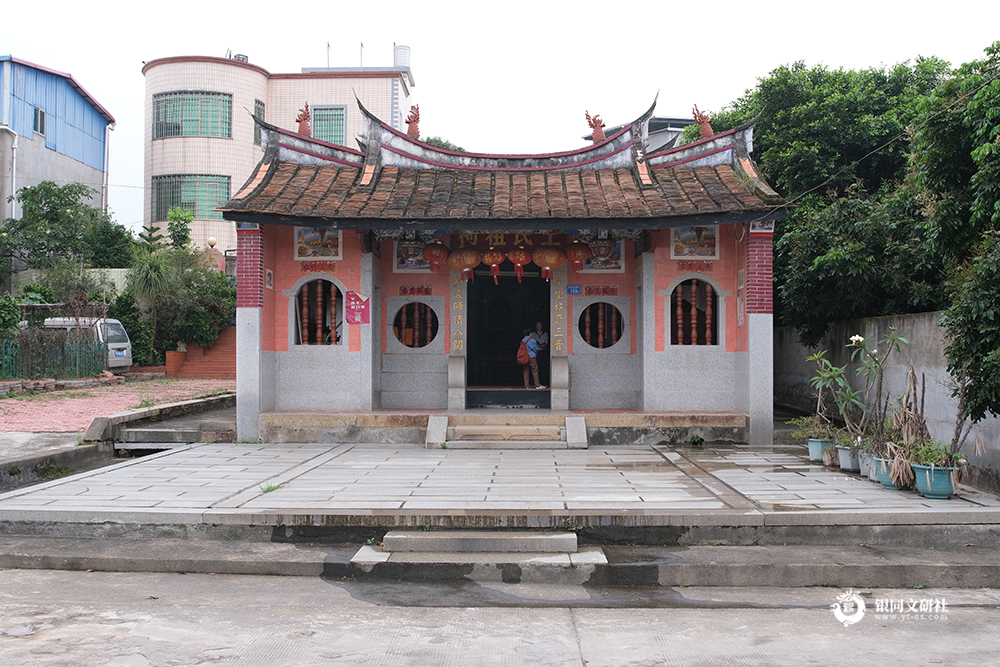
[(251, 483)]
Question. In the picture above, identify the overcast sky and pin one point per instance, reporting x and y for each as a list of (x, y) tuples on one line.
[(514, 76)]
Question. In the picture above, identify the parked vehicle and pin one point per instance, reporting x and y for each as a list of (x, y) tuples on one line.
[(105, 330)]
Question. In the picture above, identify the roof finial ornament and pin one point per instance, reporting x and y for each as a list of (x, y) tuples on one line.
[(413, 121), (303, 120), (597, 125), (702, 119)]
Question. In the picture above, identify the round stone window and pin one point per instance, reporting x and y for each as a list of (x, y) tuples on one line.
[(415, 324), (600, 325)]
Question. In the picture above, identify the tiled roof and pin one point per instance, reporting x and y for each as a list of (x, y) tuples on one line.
[(313, 193)]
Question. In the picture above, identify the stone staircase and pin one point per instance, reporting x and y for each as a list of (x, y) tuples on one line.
[(506, 431), (154, 437), (512, 557)]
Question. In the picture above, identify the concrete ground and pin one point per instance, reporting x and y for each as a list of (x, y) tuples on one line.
[(91, 619)]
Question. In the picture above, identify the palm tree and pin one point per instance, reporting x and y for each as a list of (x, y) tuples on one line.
[(149, 279)]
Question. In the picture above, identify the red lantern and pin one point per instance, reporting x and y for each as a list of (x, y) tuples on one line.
[(464, 260), (549, 259), (520, 257), (493, 258), (437, 254), (578, 253)]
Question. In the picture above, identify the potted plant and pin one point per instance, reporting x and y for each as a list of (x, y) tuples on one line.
[(817, 429), (865, 413), (865, 457), (829, 455), (935, 467), (847, 451)]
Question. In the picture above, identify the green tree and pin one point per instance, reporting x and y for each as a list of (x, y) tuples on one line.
[(109, 244), (149, 281), (443, 143), (139, 328), (956, 160), (10, 313), (54, 223), (857, 257), (150, 239), (179, 226), (179, 294), (973, 326), (815, 123), (956, 156)]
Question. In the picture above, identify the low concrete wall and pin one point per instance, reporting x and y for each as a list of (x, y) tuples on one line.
[(37, 468), (926, 356)]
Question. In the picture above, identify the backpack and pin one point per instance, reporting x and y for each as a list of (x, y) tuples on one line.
[(523, 358)]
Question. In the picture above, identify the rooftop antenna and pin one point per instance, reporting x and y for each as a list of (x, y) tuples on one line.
[(328, 55), (361, 64)]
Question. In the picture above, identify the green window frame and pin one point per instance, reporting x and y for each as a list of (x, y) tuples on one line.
[(198, 193), (192, 113), (258, 113), (328, 124)]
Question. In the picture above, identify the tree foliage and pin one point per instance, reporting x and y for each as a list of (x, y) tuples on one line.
[(956, 160), (57, 223), (150, 239), (856, 257), (10, 313), (179, 226), (956, 156), (109, 244), (816, 122), (973, 326), (181, 296), (443, 143)]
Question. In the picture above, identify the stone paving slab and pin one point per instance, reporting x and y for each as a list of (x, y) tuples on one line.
[(324, 484)]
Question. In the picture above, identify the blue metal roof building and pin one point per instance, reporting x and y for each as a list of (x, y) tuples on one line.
[(44, 111)]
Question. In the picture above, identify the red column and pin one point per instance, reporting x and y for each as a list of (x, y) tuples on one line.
[(760, 283), (249, 268)]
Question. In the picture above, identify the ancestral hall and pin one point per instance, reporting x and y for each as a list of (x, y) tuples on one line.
[(400, 276)]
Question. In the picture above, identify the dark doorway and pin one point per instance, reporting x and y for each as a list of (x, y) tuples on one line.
[(498, 313)]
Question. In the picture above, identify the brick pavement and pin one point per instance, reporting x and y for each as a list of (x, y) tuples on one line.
[(74, 409)]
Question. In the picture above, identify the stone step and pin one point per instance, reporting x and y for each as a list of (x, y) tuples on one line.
[(149, 445), (164, 435), (506, 432), (906, 566), (505, 444), (470, 541), (509, 567)]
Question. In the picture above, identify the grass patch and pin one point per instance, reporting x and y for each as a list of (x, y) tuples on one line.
[(53, 472), (270, 487)]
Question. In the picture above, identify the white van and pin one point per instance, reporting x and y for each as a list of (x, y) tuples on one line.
[(108, 331)]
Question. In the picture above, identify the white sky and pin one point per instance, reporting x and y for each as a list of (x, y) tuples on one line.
[(509, 76)]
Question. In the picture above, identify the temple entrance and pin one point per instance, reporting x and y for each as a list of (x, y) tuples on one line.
[(497, 314)]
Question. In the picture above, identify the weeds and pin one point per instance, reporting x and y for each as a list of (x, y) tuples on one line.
[(51, 472), (270, 487)]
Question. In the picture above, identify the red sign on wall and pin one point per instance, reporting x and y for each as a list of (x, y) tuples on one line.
[(356, 308)]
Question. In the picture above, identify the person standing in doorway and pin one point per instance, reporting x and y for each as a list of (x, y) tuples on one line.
[(541, 338), (532, 364)]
